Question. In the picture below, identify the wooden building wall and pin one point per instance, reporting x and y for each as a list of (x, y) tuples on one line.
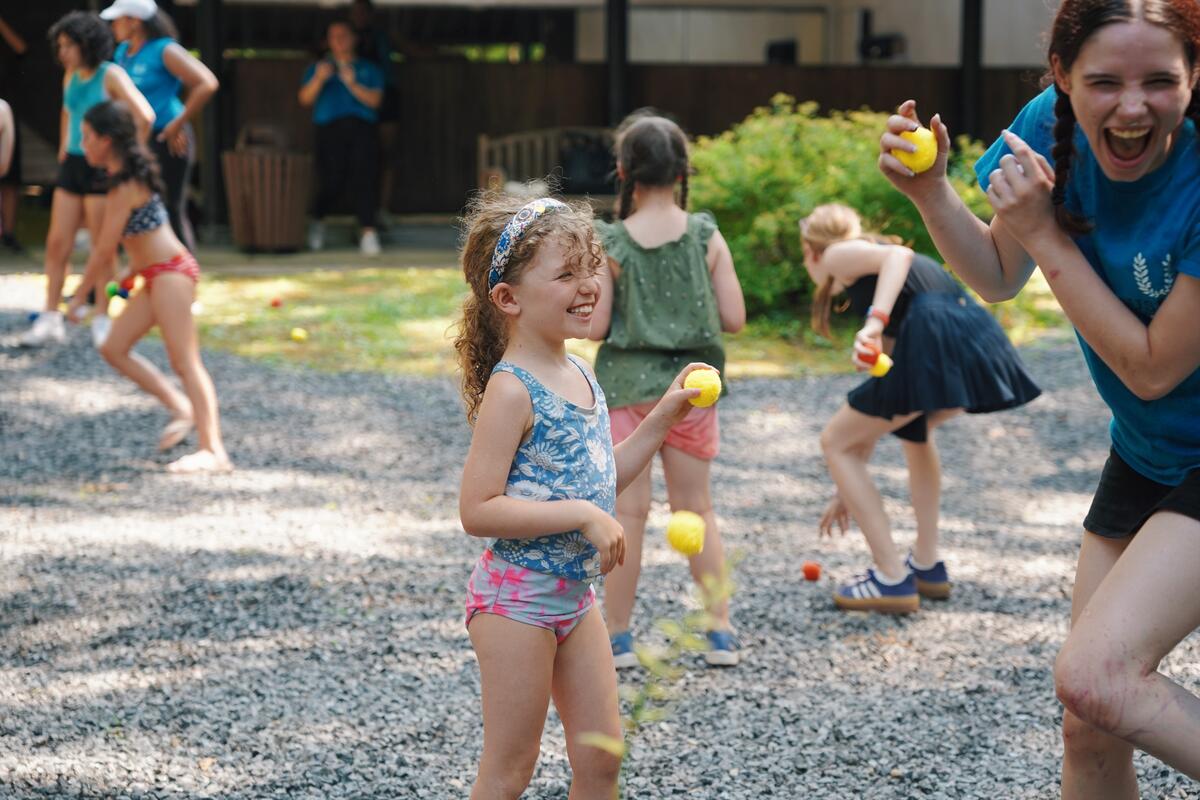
[(445, 105)]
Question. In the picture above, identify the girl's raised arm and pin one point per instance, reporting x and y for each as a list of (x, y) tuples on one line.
[(987, 257), (1150, 360)]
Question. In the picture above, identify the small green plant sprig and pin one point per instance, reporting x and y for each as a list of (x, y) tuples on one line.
[(655, 699)]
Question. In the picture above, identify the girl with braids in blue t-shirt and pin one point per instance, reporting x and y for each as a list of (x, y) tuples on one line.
[(1098, 183)]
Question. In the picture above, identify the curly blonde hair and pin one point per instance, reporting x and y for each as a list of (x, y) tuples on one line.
[(828, 224), (483, 328)]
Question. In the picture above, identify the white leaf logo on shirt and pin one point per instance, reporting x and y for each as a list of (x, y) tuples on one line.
[(1141, 276)]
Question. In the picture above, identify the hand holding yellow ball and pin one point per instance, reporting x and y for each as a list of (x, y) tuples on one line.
[(708, 381), (685, 532), (926, 153)]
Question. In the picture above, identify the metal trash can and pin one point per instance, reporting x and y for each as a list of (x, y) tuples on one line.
[(267, 188)]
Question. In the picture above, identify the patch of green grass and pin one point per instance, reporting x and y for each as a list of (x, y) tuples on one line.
[(384, 320), (401, 321)]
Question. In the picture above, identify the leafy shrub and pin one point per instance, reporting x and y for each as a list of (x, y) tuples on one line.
[(763, 175)]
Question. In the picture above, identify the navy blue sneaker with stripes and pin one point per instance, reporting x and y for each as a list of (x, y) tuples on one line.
[(724, 649), (622, 650), (868, 593), (932, 583)]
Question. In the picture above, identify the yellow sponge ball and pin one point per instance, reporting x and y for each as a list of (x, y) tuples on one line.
[(685, 532), (881, 366), (708, 381), (299, 335), (927, 150)]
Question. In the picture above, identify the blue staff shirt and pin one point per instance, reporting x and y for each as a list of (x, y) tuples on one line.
[(1147, 232), (336, 101), (150, 75)]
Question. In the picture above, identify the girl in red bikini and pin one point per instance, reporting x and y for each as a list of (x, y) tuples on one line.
[(136, 218)]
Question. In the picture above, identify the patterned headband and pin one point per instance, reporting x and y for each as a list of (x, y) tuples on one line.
[(513, 232)]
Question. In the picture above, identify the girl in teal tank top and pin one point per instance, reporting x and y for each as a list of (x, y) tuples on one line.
[(540, 484), (83, 44), (80, 95), (669, 294)]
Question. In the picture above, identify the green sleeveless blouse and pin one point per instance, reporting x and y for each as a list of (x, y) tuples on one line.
[(664, 312)]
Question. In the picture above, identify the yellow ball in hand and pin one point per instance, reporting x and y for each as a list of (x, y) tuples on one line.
[(927, 150), (881, 366), (708, 381), (299, 335), (685, 532)]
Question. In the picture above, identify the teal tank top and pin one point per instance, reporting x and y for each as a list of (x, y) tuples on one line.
[(77, 99)]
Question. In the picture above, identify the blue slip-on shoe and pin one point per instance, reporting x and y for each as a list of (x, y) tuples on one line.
[(724, 649), (867, 593), (622, 650), (933, 583)]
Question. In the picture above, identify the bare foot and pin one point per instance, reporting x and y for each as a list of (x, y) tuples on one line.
[(200, 462)]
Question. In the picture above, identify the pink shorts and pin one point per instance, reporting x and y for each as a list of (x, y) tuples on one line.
[(525, 595), (184, 263), (698, 435)]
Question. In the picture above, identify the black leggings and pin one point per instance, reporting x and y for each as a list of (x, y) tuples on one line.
[(347, 152), (176, 171)]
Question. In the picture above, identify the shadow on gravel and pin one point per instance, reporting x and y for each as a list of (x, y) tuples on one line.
[(224, 649)]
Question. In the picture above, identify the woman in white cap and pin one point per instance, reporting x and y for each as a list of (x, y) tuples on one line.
[(160, 67)]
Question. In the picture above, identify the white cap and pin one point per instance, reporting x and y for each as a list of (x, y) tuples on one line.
[(138, 9)]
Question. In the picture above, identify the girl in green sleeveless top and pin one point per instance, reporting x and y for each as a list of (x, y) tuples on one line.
[(669, 293), (83, 44)]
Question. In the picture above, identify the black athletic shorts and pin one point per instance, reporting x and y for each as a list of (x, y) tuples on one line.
[(1125, 499), (76, 176)]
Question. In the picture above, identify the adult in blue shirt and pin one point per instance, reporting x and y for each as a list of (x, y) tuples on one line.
[(345, 93), (159, 68), (1098, 183)]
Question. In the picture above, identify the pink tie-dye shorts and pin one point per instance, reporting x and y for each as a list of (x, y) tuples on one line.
[(534, 598)]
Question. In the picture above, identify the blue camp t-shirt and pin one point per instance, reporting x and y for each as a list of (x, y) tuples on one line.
[(1146, 232), (335, 101), (152, 78)]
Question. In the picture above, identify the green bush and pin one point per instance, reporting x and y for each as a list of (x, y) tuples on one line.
[(768, 171)]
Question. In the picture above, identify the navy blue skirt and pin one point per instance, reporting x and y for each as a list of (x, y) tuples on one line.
[(949, 353)]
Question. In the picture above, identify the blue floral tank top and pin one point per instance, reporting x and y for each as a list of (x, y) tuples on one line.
[(568, 455)]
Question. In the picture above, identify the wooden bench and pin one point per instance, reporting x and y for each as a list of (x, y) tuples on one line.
[(579, 160)]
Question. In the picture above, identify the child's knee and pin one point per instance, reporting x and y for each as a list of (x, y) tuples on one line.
[(510, 776), (58, 250), (112, 352), (595, 767), (1095, 685), (831, 443), (633, 502)]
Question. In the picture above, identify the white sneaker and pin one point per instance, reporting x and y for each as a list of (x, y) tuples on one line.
[(369, 244), (101, 325), (316, 236), (48, 327)]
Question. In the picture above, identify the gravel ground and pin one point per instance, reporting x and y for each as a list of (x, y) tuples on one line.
[(294, 629)]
